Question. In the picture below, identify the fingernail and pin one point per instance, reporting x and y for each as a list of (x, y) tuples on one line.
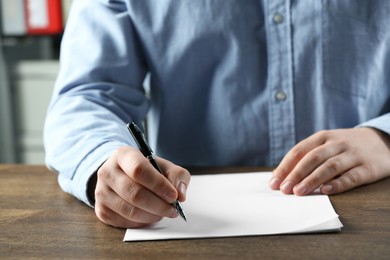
[(300, 189), (326, 189), (274, 183), (183, 189), (287, 187)]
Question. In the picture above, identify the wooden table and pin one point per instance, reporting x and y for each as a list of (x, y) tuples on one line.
[(38, 220)]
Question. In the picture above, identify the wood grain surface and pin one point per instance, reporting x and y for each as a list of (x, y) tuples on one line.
[(39, 221)]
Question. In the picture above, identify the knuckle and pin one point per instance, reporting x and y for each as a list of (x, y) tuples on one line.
[(102, 191), (333, 166), (178, 172), (348, 180), (316, 158), (323, 134), (122, 207), (188, 176), (136, 196), (106, 172), (103, 214), (181, 171), (99, 193), (352, 178), (185, 172), (134, 213), (137, 170), (297, 152), (343, 143), (185, 176), (161, 185), (102, 172)]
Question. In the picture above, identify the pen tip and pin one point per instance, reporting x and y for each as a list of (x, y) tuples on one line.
[(176, 205), (181, 213)]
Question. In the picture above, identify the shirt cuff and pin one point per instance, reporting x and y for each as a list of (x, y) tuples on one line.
[(78, 186), (381, 123)]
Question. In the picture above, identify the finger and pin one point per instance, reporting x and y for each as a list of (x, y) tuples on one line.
[(324, 173), (350, 179), (290, 160), (110, 217), (307, 166), (141, 171), (111, 209), (147, 176), (132, 195), (178, 176)]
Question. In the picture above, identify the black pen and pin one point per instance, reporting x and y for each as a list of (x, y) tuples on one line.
[(145, 149)]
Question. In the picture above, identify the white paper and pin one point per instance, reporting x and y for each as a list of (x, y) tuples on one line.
[(241, 204)]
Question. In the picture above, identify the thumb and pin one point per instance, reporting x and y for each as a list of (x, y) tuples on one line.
[(178, 176)]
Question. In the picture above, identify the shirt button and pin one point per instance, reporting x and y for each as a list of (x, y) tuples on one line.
[(281, 95), (278, 18)]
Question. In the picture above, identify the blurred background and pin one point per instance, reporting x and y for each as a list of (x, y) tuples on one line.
[(31, 32)]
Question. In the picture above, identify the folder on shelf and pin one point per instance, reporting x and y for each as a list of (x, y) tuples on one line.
[(31, 17)]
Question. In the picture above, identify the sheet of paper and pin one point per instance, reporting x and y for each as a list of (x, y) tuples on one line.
[(241, 204)]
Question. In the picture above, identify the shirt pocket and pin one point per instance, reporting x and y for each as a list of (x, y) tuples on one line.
[(355, 39)]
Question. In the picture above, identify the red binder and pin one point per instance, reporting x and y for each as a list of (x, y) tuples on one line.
[(43, 17)]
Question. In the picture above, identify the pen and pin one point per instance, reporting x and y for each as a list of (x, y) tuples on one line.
[(145, 149)]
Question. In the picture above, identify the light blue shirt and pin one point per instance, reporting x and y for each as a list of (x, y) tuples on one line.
[(231, 82)]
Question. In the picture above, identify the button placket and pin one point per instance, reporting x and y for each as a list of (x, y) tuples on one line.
[(281, 109)]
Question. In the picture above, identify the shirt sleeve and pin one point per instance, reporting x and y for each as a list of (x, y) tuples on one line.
[(381, 123), (98, 90)]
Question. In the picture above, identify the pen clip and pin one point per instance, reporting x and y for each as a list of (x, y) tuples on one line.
[(140, 139)]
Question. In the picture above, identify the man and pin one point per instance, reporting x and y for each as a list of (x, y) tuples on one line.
[(301, 85)]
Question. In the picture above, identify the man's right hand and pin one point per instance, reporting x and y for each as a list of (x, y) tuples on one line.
[(131, 193)]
